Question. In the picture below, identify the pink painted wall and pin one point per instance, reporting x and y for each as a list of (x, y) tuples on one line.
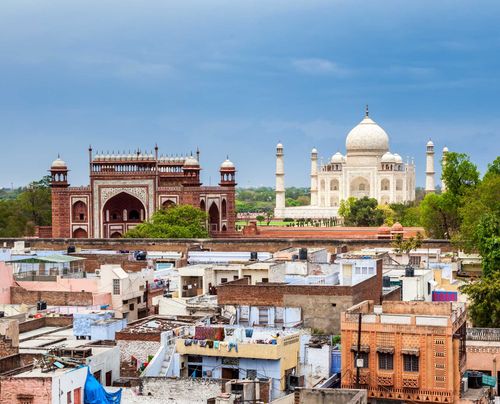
[(102, 299), (62, 285), (6, 281)]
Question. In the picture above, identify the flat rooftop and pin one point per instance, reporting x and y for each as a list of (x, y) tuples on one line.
[(156, 325)]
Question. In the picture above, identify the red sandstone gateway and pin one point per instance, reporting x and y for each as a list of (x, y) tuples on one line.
[(126, 189)]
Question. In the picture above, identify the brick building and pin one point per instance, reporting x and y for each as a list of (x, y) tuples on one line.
[(320, 305), (126, 189), (408, 351)]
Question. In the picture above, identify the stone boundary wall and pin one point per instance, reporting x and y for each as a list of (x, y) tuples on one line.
[(19, 295), (217, 244)]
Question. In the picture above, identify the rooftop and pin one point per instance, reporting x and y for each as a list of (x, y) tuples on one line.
[(156, 324)]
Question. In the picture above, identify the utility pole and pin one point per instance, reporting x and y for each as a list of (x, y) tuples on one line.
[(358, 351)]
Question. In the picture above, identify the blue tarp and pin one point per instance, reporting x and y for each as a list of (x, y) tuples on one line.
[(95, 394)]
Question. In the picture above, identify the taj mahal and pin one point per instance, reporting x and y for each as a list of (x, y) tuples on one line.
[(368, 168)]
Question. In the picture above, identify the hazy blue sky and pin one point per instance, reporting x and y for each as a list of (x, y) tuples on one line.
[(234, 77)]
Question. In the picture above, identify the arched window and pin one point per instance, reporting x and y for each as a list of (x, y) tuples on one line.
[(79, 212), (202, 205), (168, 204), (361, 187), (334, 185), (385, 184), (224, 209), (399, 185), (322, 185)]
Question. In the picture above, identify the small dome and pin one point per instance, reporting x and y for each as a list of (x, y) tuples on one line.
[(337, 158), (384, 229), (279, 146), (445, 150), (314, 151), (388, 158), (191, 161), (398, 158), (367, 136), (397, 227), (227, 164), (58, 163), (430, 143)]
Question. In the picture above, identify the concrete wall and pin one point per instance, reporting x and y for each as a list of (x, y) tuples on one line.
[(66, 382), (105, 360), (196, 391), (326, 396)]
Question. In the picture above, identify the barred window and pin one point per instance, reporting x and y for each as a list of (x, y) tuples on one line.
[(116, 286), (385, 361), (410, 363), (363, 356)]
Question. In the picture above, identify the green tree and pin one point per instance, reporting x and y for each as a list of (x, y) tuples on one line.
[(439, 215), (363, 212), (459, 174), (484, 301), (260, 218), (405, 246), (345, 206), (183, 221)]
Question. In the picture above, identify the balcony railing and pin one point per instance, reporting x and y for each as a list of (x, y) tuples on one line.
[(385, 379), (411, 381), (364, 377), (483, 334)]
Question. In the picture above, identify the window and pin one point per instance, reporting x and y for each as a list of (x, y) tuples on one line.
[(385, 361), (116, 286), (235, 277), (82, 216), (278, 314), (265, 280), (195, 359), (363, 356), (263, 315), (251, 374), (223, 280), (131, 307), (69, 397), (415, 260), (410, 363)]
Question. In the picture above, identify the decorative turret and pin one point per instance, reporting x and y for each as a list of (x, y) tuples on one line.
[(314, 177), (191, 169), (429, 168), (280, 177), (59, 174), (227, 174)]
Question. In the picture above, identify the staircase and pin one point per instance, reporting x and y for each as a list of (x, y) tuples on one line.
[(167, 360)]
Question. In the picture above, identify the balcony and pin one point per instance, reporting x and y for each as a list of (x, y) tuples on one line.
[(364, 377), (411, 380), (385, 379)]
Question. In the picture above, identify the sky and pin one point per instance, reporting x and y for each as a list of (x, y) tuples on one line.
[(235, 77)]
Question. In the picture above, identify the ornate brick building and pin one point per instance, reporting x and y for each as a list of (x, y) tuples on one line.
[(127, 189), (407, 351)]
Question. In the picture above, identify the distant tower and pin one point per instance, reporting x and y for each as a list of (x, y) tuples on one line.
[(314, 177), (280, 178), (429, 168), (60, 199), (443, 183)]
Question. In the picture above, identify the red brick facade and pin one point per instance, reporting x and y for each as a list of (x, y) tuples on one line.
[(125, 190), (19, 295)]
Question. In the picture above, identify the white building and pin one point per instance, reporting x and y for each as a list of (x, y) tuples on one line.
[(367, 169)]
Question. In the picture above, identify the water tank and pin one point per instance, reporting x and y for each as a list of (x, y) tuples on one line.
[(386, 282), (303, 254), (409, 271), (71, 249), (254, 256), (140, 256), (475, 380)]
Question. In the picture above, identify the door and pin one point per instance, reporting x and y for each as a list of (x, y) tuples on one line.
[(109, 377), (97, 375), (77, 395)]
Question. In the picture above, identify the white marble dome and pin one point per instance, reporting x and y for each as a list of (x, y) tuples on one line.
[(337, 158), (58, 163), (398, 158), (388, 158), (191, 161), (227, 164), (367, 136)]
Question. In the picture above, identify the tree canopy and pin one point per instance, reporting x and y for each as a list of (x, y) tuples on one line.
[(23, 209), (183, 221), (361, 212), (484, 300)]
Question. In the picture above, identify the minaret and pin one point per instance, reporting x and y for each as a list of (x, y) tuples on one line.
[(314, 177), (429, 168), (280, 178), (443, 183)]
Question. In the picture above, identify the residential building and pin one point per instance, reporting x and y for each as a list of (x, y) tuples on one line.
[(229, 352), (406, 351)]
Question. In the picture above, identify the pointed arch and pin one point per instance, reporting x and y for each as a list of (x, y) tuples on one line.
[(202, 205), (224, 209), (80, 233), (214, 217)]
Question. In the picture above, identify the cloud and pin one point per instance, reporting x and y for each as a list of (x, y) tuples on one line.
[(318, 66)]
